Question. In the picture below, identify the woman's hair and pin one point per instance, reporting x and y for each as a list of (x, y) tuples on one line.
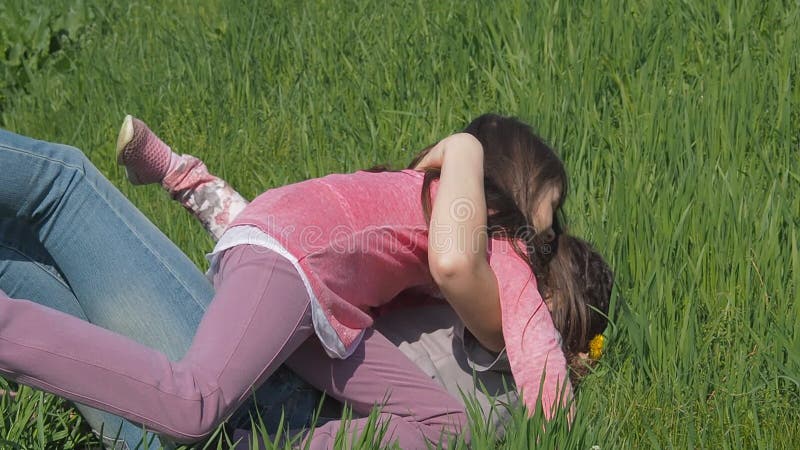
[(578, 296), (519, 170)]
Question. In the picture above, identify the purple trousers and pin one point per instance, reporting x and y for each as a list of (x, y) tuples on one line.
[(259, 319)]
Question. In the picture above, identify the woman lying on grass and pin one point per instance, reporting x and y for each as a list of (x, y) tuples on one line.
[(296, 275)]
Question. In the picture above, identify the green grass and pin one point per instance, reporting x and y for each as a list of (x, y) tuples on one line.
[(679, 123)]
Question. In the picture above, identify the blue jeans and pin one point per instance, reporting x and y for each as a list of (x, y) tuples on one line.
[(71, 241)]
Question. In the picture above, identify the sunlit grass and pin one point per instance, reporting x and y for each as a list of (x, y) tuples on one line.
[(678, 122)]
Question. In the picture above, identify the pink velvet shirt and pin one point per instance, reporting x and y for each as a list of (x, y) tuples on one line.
[(361, 239)]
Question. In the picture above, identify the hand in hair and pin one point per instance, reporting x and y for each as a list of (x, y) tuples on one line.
[(434, 157)]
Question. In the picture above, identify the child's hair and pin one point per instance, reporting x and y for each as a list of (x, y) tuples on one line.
[(519, 169), (578, 295)]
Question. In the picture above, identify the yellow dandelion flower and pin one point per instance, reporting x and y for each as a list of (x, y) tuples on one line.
[(596, 347)]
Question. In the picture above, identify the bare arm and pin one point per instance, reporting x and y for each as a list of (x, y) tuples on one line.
[(457, 253)]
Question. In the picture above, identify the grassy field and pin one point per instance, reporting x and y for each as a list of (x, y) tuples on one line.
[(679, 123)]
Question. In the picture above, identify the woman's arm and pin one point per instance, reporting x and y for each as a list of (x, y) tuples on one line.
[(457, 253)]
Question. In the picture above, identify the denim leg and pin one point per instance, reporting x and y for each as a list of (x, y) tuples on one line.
[(126, 275)]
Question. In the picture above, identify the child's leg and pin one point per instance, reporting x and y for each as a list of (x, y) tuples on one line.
[(148, 160), (27, 271), (417, 410), (209, 198), (259, 316)]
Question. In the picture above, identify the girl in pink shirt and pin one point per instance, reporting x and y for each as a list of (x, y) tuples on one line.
[(286, 270), (426, 330)]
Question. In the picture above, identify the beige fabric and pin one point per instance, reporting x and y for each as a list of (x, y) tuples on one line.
[(435, 339)]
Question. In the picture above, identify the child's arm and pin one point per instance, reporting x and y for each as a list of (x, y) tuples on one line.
[(457, 253), (207, 197)]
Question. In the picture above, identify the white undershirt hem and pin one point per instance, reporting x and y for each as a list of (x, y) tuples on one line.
[(251, 235)]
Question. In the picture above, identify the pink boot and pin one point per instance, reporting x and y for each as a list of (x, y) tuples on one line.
[(145, 157)]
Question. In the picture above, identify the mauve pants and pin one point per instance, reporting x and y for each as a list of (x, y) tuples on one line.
[(259, 318)]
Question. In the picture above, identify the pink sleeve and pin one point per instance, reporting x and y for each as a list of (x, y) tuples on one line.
[(533, 344)]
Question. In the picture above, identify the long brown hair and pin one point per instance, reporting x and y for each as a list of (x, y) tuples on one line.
[(519, 169), (578, 297)]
